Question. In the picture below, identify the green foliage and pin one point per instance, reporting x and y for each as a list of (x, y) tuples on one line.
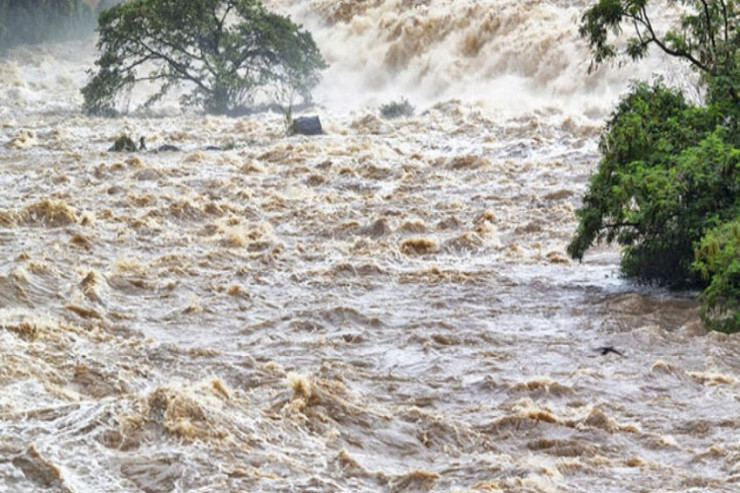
[(708, 38), (397, 109), (718, 262), (36, 21), (666, 171), (226, 50), (667, 187)]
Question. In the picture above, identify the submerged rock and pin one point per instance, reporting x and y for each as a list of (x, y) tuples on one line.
[(307, 125), (123, 144), (168, 148)]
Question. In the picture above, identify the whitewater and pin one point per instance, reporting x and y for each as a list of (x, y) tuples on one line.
[(385, 307)]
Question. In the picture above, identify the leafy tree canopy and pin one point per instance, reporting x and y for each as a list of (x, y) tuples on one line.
[(667, 187), (226, 50), (708, 37)]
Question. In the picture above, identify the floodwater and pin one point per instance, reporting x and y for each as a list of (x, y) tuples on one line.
[(386, 307)]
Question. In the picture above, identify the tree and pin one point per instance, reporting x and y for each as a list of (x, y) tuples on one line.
[(666, 171), (227, 51), (667, 187), (708, 38)]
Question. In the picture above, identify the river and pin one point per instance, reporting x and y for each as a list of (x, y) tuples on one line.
[(385, 307)]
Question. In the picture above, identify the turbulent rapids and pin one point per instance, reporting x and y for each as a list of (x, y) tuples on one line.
[(385, 307)]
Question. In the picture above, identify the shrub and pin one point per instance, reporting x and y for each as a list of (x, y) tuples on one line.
[(397, 109), (718, 262)]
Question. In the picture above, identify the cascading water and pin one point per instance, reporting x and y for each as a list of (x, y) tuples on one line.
[(386, 307)]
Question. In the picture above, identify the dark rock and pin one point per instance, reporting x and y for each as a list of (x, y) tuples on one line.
[(123, 144), (167, 148), (307, 125)]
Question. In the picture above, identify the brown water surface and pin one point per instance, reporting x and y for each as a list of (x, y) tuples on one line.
[(386, 307)]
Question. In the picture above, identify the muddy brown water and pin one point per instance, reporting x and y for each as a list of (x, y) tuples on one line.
[(386, 307)]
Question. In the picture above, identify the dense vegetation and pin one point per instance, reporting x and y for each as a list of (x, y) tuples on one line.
[(36, 21), (397, 109), (667, 187), (227, 51)]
